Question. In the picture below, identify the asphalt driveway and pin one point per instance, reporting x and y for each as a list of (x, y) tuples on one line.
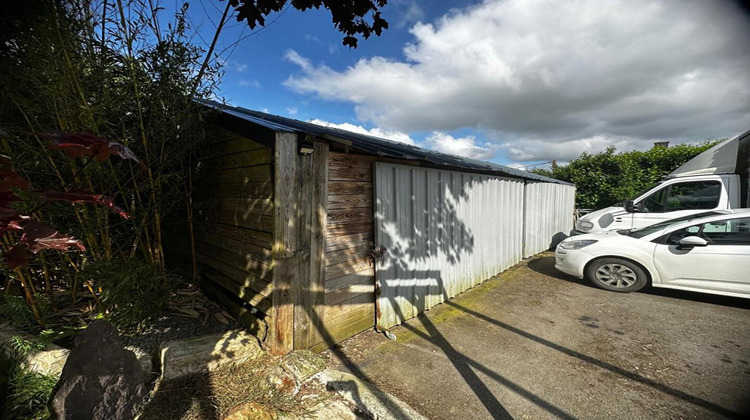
[(534, 343)]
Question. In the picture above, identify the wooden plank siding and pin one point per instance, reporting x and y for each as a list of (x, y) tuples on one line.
[(310, 287), (290, 234), (285, 241), (300, 200), (349, 299), (234, 240)]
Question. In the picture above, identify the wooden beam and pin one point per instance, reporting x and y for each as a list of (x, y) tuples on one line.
[(310, 291), (285, 233)]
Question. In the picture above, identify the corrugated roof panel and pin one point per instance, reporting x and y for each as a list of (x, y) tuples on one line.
[(374, 145)]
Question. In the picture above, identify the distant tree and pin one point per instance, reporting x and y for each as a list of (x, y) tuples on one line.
[(349, 16), (605, 178)]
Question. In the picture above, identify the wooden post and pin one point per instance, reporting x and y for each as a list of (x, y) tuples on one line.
[(310, 290), (285, 241)]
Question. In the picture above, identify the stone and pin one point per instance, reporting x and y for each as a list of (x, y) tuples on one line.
[(100, 380), (49, 361), (281, 380), (251, 411), (207, 353), (328, 409), (303, 364), (373, 402), (144, 359)]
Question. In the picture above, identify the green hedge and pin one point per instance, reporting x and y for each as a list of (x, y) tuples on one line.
[(605, 178)]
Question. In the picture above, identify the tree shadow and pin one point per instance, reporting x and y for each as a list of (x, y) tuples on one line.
[(437, 245), (465, 366), (715, 408), (169, 400)]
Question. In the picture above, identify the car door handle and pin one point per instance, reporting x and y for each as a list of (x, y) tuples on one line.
[(618, 219)]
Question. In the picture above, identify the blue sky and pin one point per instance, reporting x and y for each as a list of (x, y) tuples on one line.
[(517, 82)]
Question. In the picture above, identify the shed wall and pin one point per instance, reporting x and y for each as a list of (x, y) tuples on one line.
[(444, 232), (549, 215), (234, 240), (350, 274)]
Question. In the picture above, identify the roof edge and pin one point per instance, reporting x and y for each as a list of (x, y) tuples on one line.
[(371, 144)]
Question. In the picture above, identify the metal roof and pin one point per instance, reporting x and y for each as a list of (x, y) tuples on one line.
[(724, 158), (373, 145)]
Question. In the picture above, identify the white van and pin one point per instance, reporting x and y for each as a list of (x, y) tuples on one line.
[(715, 179)]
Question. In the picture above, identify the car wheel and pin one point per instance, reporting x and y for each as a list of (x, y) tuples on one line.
[(616, 275)]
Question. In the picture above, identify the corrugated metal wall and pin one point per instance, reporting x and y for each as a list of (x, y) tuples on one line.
[(444, 232), (549, 214)]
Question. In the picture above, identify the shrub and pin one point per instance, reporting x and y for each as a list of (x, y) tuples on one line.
[(23, 393), (605, 178), (133, 292)]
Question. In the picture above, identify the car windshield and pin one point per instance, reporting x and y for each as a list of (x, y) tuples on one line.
[(641, 232)]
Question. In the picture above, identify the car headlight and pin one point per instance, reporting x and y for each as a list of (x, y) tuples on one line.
[(584, 225), (577, 244)]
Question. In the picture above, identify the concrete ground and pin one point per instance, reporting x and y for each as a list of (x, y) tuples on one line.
[(534, 343)]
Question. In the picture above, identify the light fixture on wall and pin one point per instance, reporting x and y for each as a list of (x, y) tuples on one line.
[(306, 149)]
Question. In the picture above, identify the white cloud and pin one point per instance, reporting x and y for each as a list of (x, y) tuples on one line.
[(544, 77), (533, 150), (462, 146), (312, 38), (409, 11), (292, 111), (249, 83), (518, 166), (441, 142), (375, 132)]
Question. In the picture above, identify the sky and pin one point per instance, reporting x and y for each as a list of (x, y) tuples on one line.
[(516, 82)]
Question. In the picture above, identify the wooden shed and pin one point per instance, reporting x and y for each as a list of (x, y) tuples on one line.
[(312, 234)]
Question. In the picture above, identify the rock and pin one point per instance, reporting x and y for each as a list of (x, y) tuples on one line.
[(251, 411), (281, 380), (207, 353), (373, 402), (327, 409), (303, 364), (144, 359), (100, 380), (49, 361)]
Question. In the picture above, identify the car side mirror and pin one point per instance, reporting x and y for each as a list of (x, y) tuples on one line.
[(631, 207), (689, 242)]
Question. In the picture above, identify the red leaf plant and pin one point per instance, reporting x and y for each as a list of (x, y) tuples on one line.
[(36, 236), (82, 197), (87, 144)]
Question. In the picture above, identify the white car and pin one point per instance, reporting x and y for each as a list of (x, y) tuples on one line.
[(707, 252)]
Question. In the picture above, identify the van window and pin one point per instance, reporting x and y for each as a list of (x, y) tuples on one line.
[(695, 195), (654, 203)]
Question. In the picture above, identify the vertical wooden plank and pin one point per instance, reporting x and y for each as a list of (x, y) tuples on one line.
[(285, 246), (301, 288), (318, 243), (310, 294)]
